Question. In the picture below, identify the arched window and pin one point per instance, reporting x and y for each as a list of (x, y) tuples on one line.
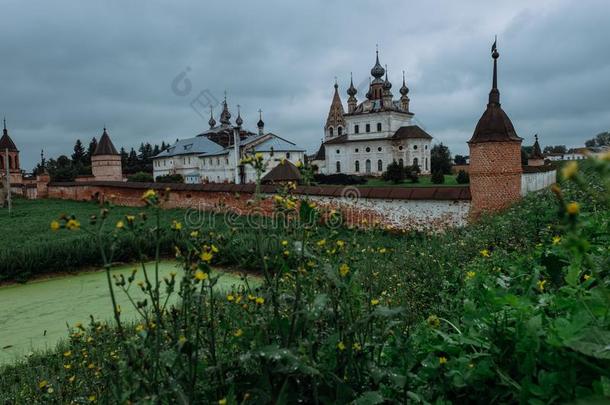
[(401, 162), (340, 131), (356, 129), (426, 163), (368, 127), (379, 127), (367, 165), (338, 167), (379, 165), (1, 162), (330, 131), (357, 166), (287, 155), (415, 162), (10, 162)]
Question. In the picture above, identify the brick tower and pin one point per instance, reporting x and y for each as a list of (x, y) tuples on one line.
[(495, 156), (7, 145), (106, 161)]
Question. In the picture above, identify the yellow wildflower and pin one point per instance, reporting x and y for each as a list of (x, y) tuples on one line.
[(120, 224), (206, 256), (573, 208), (214, 249), (586, 277), (139, 327), (357, 347), (341, 346), (258, 156), (286, 253), (42, 384), (194, 234), (238, 333), (55, 225), (556, 240), (224, 400), (71, 379), (149, 194), (541, 284), (470, 275), (284, 243), (260, 300), (340, 243), (484, 253), (569, 170), (50, 390), (91, 398), (343, 270), (130, 218), (67, 366), (442, 360), (176, 225), (72, 224), (68, 353), (299, 163), (321, 242), (230, 297), (200, 275), (374, 301)]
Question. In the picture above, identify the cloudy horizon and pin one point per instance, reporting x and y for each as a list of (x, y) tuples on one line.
[(69, 68)]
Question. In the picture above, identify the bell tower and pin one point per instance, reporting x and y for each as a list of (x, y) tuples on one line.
[(335, 123)]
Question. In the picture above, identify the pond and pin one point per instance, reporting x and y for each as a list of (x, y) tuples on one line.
[(34, 316)]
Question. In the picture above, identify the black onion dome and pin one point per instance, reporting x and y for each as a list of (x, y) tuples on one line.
[(351, 91), (404, 90), (377, 71), (386, 84)]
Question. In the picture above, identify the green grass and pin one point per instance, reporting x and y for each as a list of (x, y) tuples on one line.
[(424, 181), (34, 315)]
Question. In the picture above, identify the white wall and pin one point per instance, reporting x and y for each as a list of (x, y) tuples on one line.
[(537, 181)]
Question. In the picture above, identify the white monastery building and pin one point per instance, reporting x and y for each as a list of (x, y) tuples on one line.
[(373, 133), (215, 155)]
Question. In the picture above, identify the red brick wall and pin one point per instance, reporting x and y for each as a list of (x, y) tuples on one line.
[(495, 175)]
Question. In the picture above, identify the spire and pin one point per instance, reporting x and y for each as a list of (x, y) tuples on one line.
[(212, 121), (239, 121), (404, 90), (225, 115), (4, 131), (105, 146), (494, 125), (494, 94), (335, 114), (387, 85), (260, 124), (536, 151)]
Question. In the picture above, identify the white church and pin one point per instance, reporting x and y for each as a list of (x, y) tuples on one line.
[(215, 155), (373, 133)]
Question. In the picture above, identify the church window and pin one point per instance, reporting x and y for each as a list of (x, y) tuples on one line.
[(426, 147), (356, 129), (400, 147), (414, 147), (426, 163), (226, 161), (218, 161), (379, 127), (401, 162), (340, 131), (368, 149), (356, 150), (368, 127), (367, 165), (338, 167), (287, 155), (338, 151), (379, 149), (330, 131), (357, 168), (379, 165), (10, 162), (415, 162)]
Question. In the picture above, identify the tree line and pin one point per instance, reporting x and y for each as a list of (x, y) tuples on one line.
[(66, 168)]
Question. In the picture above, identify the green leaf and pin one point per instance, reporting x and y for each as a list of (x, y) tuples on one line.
[(369, 398)]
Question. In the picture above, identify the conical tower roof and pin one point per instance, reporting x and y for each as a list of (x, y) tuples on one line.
[(494, 125), (105, 146), (6, 142), (536, 151), (335, 114)]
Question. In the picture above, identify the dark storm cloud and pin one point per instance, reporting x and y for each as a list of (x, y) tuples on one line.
[(68, 68)]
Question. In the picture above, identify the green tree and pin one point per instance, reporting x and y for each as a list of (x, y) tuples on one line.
[(79, 155), (440, 157), (462, 177), (395, 173)]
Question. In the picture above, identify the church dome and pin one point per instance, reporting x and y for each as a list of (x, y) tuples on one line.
[(377, 71), (351, 91)]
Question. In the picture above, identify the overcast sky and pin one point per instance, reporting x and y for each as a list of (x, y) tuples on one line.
[(144, 68)]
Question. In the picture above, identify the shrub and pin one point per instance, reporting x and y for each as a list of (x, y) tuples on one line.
[(412, 173), (395, 173), (141, 177), (438, 177), (462, 177), (170, 178)]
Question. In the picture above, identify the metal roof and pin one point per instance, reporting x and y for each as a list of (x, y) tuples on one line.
[(196, 145)]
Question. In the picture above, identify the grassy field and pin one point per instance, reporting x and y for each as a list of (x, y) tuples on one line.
[(424, 181), (511, 309), (33, 316)]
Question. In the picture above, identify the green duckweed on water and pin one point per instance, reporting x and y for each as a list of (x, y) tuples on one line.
[(34, 316)]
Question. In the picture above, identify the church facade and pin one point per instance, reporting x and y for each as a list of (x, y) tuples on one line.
[(373, 133), (215, 155)]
